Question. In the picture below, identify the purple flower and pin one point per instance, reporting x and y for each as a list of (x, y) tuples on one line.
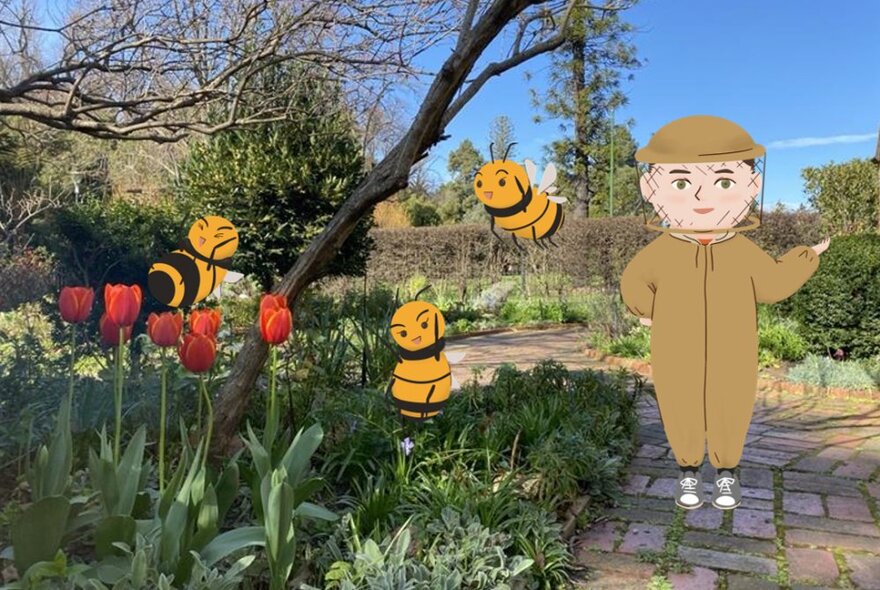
[(839, 354), (407, 445)]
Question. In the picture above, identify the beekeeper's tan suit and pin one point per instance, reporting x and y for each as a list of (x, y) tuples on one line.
[(704, 334), (699, 283)]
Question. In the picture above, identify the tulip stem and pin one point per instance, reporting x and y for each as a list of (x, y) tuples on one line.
[(210, 420), (272, 417), (118, 396), (162, 411), (72, 367)]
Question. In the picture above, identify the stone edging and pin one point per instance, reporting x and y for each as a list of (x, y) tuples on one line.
[(644, 368), (505, 329)]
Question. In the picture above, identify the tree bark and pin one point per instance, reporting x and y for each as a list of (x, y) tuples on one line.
[(389, 176), (578, 47)]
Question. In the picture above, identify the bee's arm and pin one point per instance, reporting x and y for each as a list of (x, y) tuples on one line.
[(388, 389), (492, 228)]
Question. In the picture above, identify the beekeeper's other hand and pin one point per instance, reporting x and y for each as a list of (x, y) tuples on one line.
[(645, 321), (821, 246)]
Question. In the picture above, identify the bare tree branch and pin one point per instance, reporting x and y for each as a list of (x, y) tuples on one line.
[(389, 176)]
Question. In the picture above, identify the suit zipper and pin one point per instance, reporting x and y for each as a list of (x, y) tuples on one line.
[(705, 333)]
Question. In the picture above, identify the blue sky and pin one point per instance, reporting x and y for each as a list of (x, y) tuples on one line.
[(792, 74)]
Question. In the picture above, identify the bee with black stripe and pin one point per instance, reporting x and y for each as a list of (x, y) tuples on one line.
[(516, 203), (197, 268), (422, 378)]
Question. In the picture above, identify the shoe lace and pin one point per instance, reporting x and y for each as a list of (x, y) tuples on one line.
[(724, 484), (689, 484)]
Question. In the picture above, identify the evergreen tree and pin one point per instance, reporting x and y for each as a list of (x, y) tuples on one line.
[(584, 88)]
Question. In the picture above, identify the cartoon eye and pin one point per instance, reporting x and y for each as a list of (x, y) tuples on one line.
[(479, 184), (681, 183), (502, 182), (724, 183), (424, 324), (403, 333)]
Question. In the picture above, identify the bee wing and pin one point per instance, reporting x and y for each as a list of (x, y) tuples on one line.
[(557, 199), (232, 277), (548, 178), (454, 357), (532, 171)]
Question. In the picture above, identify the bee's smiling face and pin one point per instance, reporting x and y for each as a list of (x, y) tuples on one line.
[(413, 325), (214, 237), (495, 184)]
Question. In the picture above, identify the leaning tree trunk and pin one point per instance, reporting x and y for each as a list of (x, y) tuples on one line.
[(438, 108)]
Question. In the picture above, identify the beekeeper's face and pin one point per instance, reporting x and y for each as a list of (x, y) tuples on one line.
[(709, 195)]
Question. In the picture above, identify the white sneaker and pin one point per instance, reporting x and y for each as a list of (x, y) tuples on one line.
[(690, 489)]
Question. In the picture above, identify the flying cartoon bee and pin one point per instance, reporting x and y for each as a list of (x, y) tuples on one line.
[(195, 270), (422, 378), (516, 203)]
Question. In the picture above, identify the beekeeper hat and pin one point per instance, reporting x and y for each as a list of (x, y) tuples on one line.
[(699, 138)]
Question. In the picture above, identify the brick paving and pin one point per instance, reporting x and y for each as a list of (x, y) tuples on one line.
[(810, 476)]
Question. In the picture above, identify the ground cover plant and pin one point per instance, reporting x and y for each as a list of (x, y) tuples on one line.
[(329, 488)]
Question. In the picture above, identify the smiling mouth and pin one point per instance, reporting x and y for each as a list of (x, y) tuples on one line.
[(704, 211), (201, 241), (488, 194), (417, 340)]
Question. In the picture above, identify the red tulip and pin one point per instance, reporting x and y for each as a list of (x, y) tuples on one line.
[(197, 352), (123, 303), (165, 328), (75, 303), (276, 320), (204, 321), (110, 331)]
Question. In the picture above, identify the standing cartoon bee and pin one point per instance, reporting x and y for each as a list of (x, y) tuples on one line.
[(422, 378), (195, 271), (516, 203)]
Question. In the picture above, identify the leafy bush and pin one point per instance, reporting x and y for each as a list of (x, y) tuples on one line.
[(456, 552), (24, 277), (280, 183), (823, 371), (779, 339), (635, 344), (839, 307)]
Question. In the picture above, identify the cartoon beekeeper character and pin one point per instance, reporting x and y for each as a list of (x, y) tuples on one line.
[(697, 285)]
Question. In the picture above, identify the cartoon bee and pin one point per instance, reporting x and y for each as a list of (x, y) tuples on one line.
[(422, 378), (195, 271), (513, 200)]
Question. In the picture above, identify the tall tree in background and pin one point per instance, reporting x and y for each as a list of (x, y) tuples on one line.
[(584, 88), (458, 200), (845, 195), (501, 134)]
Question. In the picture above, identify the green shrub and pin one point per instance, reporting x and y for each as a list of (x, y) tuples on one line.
[(635, 344), (25, 276), (823, 371), (779, 339), (839, 307), (280, 183)]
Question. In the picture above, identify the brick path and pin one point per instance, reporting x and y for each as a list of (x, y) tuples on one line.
[(810, 515)]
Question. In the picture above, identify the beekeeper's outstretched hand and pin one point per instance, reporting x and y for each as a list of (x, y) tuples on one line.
[(821, 246), (645, 321)]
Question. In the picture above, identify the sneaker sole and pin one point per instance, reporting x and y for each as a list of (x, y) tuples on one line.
[(726, 507), (689, 507)]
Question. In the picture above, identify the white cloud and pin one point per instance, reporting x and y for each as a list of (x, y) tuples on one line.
[(813, 141)]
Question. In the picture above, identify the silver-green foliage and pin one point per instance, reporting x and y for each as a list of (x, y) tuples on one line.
[(456, 551)]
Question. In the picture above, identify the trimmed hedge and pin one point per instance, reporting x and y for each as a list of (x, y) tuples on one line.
[(590, 250), (839, 307)]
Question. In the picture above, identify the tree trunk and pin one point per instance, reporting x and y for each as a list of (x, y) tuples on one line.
[(388, 177), (578, 48)]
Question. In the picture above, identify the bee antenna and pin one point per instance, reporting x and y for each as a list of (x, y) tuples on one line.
[(423, 289), (491, 155), (513, 143)]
